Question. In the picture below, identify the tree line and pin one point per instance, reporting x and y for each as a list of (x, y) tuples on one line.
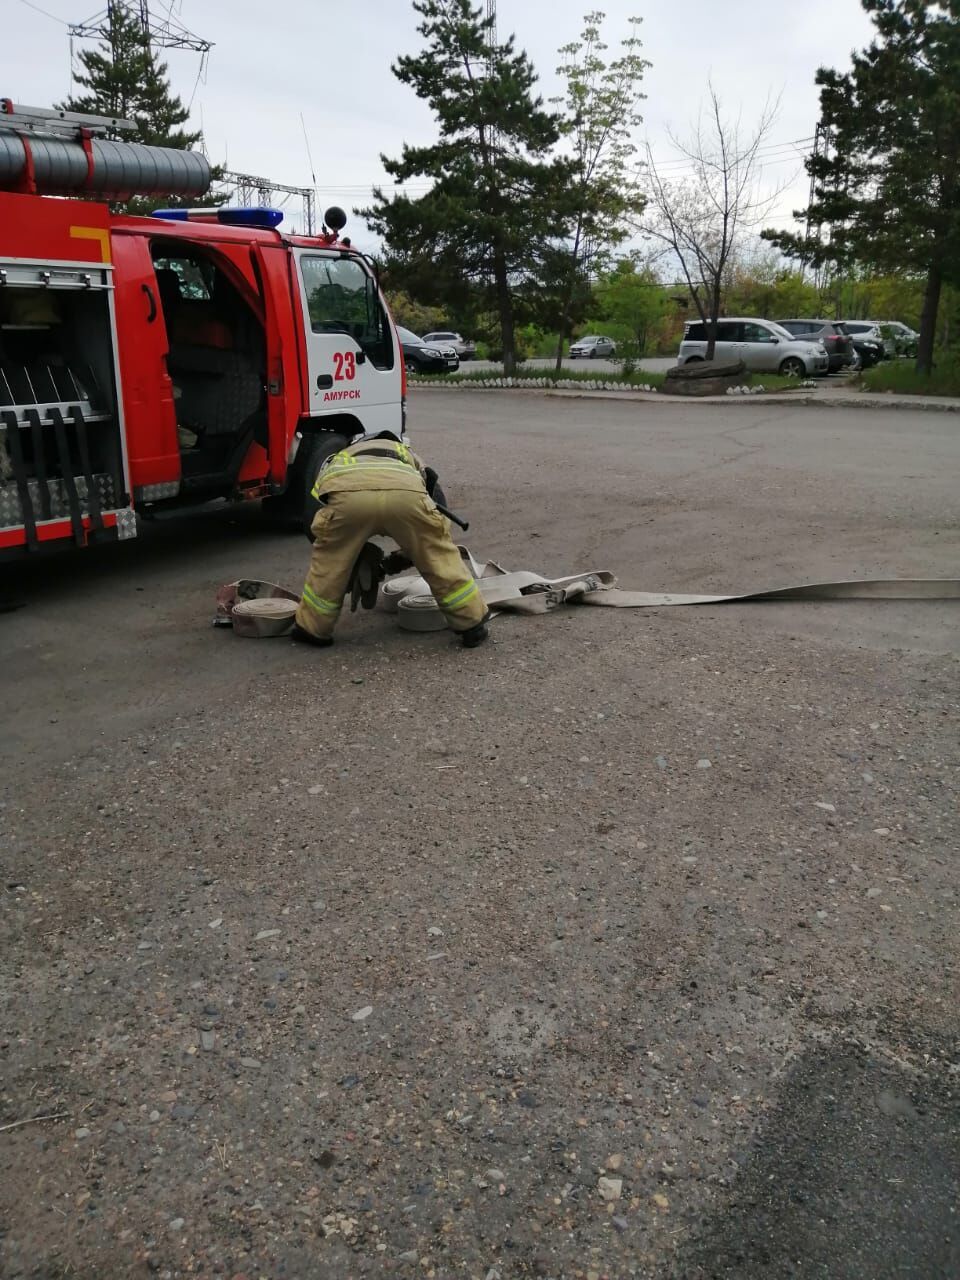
[(528, 203), (644, 312), (514, 221)]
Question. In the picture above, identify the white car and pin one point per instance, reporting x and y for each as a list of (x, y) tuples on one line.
[(762, 345), (905, 339), (895, 338), (592, 348), (447, 338)]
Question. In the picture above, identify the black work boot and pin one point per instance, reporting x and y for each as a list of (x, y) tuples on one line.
[(304, 637), (475, 635)]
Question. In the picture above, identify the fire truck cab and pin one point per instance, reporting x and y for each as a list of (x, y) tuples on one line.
[(162, 361)]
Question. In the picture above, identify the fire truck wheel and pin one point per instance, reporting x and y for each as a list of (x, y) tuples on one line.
[(293, 511)]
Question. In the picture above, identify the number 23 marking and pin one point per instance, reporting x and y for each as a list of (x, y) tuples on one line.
[(344, 366)]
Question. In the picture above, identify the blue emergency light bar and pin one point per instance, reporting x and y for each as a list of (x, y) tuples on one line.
[(253, 217)]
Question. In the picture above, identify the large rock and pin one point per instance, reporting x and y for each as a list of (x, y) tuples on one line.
[(704, 378)]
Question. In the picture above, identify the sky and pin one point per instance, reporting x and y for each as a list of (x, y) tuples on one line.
[(330, 63)]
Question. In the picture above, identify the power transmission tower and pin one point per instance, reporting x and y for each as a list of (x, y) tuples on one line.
[(492, 133), (821, 147), (250, 189), (163, 33), (491, 32)]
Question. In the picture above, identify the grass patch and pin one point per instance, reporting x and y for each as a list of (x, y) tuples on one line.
[(901, 377)]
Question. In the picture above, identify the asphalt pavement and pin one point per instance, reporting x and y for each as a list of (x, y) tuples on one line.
[(625, 945)]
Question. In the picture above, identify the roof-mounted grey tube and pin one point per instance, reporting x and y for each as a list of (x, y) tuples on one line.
[(117, 169)]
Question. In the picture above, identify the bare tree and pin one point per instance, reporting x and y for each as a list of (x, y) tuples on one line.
[(699, 220)]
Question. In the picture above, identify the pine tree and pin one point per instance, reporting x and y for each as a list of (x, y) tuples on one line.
[(889, 188), (124, 80), (496, 200)]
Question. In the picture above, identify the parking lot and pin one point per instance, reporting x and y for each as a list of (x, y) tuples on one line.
[(625, 945)]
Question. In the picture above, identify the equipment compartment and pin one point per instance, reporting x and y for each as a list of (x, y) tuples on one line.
[(61, 454)]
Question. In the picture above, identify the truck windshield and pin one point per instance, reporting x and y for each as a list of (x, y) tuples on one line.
[(342, 297)]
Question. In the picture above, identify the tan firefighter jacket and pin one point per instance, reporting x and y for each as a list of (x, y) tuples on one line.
[(371, 464)]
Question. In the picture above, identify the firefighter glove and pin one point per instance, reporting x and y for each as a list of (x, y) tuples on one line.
[(396, 562), (364, 584)]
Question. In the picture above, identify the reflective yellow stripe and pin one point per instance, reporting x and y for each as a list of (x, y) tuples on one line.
[(460, 595), (100, 234), (318, 604), (371, 448), (376, 465), (382, 468)]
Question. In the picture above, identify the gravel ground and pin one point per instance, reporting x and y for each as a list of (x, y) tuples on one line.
[(625, 945)]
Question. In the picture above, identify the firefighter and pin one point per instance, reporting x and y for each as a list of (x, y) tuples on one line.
[(378, 486)]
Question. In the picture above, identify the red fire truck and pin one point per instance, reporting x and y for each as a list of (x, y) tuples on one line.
[(163, 361)]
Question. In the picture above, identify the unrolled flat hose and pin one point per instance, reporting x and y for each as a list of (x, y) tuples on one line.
[(531, 593)]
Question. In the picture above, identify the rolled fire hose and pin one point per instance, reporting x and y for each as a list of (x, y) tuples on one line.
[(262, 619)]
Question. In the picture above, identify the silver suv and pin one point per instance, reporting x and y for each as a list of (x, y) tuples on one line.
[(592, 346), (465, 349), (762, 345)]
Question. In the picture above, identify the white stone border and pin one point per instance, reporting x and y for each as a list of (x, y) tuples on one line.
[(597, 390), (531, 384)]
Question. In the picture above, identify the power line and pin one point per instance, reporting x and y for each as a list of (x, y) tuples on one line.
[(52, 16), (773, 153), (357, 190), (767, 149)]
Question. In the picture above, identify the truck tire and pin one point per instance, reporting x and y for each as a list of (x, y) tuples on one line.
[(293, 510)]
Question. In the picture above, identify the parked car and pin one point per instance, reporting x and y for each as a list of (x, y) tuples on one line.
[(422, 357), (592, 347), (867, 343), (889, 338), (906, 339), (897, 339), (839, 345), (465, 349), (865, 329), (761, 344)]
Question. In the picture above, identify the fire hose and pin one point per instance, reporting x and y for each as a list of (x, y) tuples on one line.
[(526, 592), (257, 608)]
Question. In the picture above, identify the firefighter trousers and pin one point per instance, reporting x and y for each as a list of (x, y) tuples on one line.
[(349, 519)]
